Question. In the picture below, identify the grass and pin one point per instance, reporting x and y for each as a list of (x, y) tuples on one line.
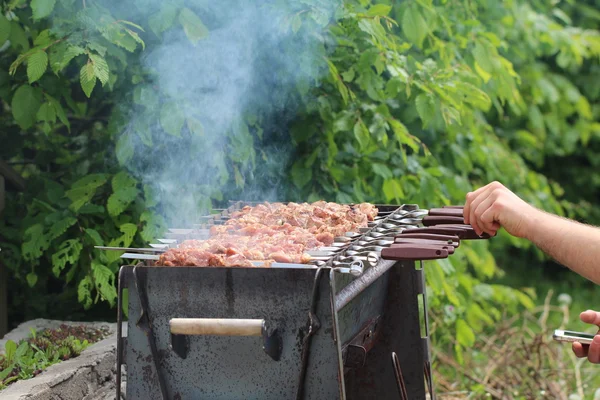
[(519, 359), (31, 356)]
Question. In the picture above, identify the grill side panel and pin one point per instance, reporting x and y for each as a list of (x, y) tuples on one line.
[(400, 333)]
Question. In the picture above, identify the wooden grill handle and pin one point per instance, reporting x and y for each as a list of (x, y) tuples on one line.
[(217, 326)]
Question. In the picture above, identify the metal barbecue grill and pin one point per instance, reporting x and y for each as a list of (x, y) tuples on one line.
[(345, 326)]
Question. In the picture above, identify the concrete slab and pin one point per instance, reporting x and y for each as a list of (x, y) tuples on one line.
[(91, 376)]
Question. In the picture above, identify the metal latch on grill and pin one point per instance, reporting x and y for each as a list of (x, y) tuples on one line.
[(355, 268)]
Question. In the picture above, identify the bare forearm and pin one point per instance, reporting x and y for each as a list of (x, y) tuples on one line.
[(574, 245)]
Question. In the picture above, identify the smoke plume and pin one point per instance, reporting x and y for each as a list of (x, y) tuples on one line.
[(209, 119)]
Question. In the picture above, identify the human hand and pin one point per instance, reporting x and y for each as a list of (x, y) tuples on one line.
[(492, 206), (591, 351)]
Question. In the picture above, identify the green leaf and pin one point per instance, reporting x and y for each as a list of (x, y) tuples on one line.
[(483, 57), (68, 253), (154, 226), (414, 26), (60, 112), (296, 23), (403, 136), (462, 161), (362, 135), (162, 20), (300, 175), (100, 49), (95, 236), (60, 227), (339, 83), (379, 10), (473, 95), (124, 149), (172, 118), (426, 108), (35, 243), (87, 77), (84, 292), (146, 96), (18, 37), (373, 28), (136, 37), (104, 281), (42, 8), (61, 58), (46, 113), (4, 29), (192, 25), (435, 278), (464, 334), (476, 317), (10, 349), (150, 196), (32, 279), (195, 127), (4, 374), (382, 170), (25, 104), (129, 231), (22, 349), (44, 38), (450, 293), (100, 68), (124, 193), (84, 189), (524, 299), (392, 190)]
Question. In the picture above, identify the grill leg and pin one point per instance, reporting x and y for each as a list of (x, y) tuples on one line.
[(401, 334)]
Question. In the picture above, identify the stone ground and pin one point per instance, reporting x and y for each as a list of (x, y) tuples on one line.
[(91, 376)]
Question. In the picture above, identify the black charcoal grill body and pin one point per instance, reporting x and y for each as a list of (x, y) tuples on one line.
[(326, 334)]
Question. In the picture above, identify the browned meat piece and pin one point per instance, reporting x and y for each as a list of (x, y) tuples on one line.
[(325, 237)]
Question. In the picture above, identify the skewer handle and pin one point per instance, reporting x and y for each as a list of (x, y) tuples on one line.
[(451, 212), (413, 252), (442, 220)]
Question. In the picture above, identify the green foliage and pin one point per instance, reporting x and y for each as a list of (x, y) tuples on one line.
[(192, 25), (25, 104), (36, 66), (42, 349), (404, 102), (42, 8)]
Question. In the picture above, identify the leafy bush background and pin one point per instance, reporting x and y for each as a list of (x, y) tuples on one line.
[(415, 101)]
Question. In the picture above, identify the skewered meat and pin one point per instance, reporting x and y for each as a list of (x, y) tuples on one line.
[(271, 232)]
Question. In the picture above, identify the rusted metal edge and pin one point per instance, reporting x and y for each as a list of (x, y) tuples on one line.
[(335, 333), (354, 288), (312, 326)]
